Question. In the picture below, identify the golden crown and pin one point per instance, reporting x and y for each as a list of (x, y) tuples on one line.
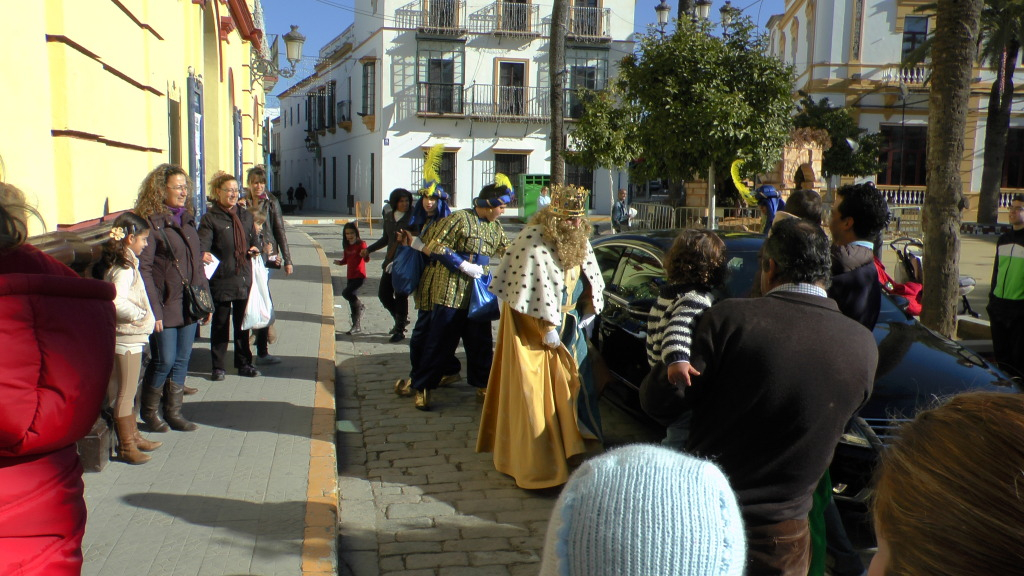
[(569, 201)]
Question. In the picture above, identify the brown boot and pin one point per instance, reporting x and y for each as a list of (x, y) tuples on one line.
[(151, 408), (127, 451), (142, 443), (174, 395)]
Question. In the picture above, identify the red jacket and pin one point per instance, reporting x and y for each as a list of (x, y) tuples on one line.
[(57, 343)]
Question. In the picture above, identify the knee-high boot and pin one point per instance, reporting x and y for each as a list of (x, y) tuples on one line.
[(151, 408), (127, 451), (356, 308), (142, 443), (174, 395)]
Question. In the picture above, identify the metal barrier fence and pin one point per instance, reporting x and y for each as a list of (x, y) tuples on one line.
[(906, 221), (662, 216), (653, 216)]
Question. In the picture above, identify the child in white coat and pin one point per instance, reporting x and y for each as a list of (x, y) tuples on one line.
[(120, 264)]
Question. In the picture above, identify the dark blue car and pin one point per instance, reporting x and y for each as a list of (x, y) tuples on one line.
[(916, 366)]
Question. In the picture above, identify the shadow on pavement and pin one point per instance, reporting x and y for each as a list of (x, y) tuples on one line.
[(252, 416)]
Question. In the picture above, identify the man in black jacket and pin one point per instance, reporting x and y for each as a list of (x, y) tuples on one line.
[(780, 377), (859, 214)]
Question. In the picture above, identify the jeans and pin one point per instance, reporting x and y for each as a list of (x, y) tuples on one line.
[(170, 351)]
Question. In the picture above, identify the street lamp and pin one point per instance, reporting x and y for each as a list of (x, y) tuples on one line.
[(728, 13), (702, 9), (312, 141), (260, 67), (663, 11)]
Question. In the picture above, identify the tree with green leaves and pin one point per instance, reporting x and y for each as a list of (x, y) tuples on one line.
[(700, 101), (854, 150), (605, 136), (954, 48)]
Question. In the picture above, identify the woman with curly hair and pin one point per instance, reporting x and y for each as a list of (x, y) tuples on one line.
[(694, 267), (227, 233), (170, 262)]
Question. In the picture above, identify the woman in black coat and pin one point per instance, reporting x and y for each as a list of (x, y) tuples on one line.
[(227, 232)]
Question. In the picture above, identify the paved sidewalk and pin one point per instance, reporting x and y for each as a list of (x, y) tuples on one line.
[(253, 491)]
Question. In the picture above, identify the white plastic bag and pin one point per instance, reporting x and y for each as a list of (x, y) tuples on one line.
[(259, 308)]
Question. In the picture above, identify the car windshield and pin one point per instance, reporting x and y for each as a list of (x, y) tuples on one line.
[(740, 280)]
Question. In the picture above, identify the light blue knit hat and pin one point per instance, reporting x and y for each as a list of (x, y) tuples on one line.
[(644, 510)]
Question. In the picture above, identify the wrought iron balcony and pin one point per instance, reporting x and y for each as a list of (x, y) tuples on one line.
[(440, 17), (507, 103), (507, 18), (590, 24), (494, 102), (909, 75), (439, 98)]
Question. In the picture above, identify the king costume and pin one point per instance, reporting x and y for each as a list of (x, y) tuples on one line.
[(542, 403)]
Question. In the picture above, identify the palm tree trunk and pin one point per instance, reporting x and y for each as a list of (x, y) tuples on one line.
[(998, 126), (953, 54), (559, 30)]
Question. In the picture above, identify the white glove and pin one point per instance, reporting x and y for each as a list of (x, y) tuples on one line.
[(417, 244), (587, 324), (474, 271), (388, 267), (551, 339)]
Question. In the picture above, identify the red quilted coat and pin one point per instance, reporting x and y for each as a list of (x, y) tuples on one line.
[(56, 354)]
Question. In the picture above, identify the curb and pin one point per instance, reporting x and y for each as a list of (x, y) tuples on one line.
[(319, 542)]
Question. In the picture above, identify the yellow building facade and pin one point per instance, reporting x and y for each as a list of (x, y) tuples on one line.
[(98, 92)]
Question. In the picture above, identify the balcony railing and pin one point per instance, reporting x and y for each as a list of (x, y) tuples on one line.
[(439, 98), (508, 18), (910, 75), (589, 23), (443, 17), (507, 103)]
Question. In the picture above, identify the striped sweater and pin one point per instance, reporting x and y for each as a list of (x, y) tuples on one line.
[(672, 320)]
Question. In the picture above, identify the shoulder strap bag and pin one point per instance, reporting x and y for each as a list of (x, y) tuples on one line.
[(196, 298)]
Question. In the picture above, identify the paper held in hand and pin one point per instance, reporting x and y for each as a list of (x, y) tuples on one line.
[(210, 267)]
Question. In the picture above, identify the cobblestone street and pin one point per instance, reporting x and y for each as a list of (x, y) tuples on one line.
[(415, 497)]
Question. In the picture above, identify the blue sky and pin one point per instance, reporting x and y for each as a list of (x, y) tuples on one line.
[(322, 20)]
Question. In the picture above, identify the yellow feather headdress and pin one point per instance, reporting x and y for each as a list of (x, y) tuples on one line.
[(431, 165)]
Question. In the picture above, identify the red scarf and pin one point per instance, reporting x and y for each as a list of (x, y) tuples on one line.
[(241, 245)]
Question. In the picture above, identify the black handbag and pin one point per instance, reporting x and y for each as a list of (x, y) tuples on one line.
[(196, 298)]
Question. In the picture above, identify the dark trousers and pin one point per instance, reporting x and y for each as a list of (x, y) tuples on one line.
[(353, 284), (232, 312), (845, 559), (782, 549), (419, 339), (1008, 342), (446, 327), (396, 304)]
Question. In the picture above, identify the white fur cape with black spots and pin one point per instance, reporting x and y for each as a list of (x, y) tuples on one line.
[(531, 280)]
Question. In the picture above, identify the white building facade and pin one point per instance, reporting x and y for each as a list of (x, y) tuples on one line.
[(851, 53), (471, 75)]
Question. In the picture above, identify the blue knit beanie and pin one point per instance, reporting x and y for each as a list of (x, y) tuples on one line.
[(645, 510)]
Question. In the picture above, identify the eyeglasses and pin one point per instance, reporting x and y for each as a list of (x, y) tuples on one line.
[(180, 188), (1016, 208)]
